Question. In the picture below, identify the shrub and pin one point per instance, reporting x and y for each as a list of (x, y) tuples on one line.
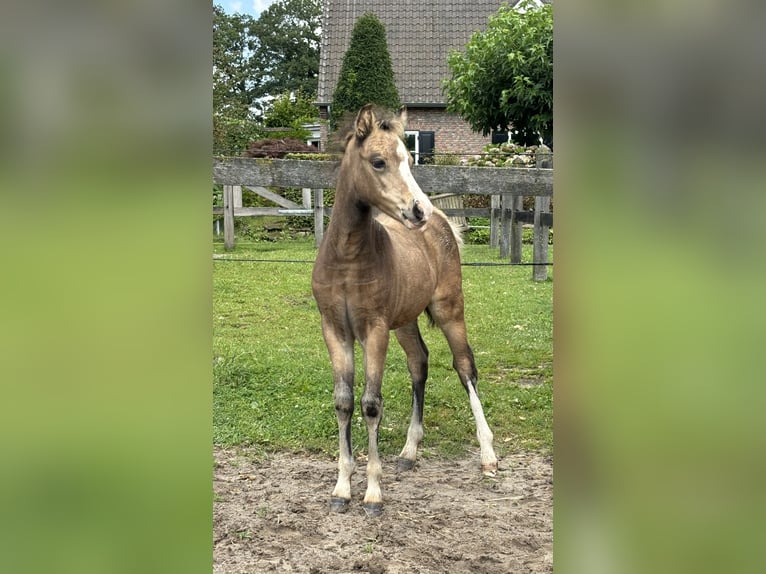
[(314, 156), (508, 154), (277, 148), (445, 158)]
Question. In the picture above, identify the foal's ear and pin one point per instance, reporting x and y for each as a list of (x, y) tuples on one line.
[(365, 122), (401, 115)]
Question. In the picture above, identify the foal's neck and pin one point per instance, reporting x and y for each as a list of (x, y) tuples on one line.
[(353, 230)]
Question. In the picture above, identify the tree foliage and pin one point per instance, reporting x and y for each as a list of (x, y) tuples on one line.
[(253, 59), (233, 64), (366, 74), (234, 81), (288, 35), (504, 78), (289, 109)]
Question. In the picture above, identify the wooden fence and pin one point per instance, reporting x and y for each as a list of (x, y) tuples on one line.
[(507, 187)]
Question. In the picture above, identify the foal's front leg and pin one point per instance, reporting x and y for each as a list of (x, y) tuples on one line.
[(375, 346), (341, 349)]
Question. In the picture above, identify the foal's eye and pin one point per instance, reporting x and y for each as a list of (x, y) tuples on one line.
[(379, 163)]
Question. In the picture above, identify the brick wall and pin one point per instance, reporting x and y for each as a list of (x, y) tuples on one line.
[(451, 133), (323, 120)]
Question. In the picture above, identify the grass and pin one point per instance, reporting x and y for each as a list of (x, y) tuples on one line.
[(272, 377)]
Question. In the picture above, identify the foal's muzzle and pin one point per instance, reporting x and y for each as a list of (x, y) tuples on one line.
[(418, 213)]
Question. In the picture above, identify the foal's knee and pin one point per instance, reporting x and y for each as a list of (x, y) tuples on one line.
[(372, 406), (344, 401)]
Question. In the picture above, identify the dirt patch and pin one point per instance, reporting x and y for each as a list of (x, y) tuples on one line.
[(272, 515)]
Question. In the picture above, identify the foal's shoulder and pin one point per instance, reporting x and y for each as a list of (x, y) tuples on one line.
[(444, 229)]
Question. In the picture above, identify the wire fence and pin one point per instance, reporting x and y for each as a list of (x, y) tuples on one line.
[(464, 264)]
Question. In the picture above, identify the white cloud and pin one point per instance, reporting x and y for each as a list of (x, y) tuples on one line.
[(252, 7), (261, 5)]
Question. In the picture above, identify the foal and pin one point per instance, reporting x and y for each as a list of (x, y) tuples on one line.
[(387, 256)]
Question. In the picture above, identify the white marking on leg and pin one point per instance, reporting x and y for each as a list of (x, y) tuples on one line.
[(483, 433), (374, 468), (374, 474), (346, 468), (346, 463), (414, 436)]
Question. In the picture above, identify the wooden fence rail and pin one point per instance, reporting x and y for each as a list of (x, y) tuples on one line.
[(506, 185)]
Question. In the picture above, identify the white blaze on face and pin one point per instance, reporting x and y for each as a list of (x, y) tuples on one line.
[(412, 185)]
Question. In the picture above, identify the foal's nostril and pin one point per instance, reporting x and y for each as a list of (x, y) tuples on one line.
[(417, 211)]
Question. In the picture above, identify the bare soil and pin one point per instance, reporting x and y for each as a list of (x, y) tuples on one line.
[(272, 515)]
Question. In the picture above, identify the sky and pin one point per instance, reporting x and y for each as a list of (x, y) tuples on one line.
[(252, 7)]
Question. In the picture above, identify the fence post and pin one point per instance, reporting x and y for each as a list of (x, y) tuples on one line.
[(306, 198), (494, 219), (505, 226), (318, 216), (228, 217), (544, 159), (540, 271), (517, 229)]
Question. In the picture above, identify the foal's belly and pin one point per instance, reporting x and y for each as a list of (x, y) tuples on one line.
[(374, 298), (390, 298)]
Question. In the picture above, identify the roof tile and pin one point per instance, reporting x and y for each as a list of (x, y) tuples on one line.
[(419, 34)]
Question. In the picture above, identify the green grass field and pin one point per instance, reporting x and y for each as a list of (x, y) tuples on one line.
[(273, 382)]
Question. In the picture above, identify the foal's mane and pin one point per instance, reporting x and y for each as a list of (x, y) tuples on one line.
[(385, 120)]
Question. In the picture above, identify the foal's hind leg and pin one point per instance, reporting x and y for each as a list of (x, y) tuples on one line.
[(417, 363), (449, 316)]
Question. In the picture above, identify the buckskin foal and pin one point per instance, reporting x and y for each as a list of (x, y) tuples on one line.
[(387, 256)]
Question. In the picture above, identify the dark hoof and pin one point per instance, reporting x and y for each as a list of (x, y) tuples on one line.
[(373, 509), (338, 504), (405, 464)]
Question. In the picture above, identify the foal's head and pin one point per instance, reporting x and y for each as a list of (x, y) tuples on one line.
[(379, 165)]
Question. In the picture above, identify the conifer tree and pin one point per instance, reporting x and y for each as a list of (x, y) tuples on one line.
[(366, 74)]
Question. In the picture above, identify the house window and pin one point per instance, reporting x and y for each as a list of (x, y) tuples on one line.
[(420, 145), (412, 141), (500, 137)]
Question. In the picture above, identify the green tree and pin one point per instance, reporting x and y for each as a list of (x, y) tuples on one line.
[(253, 59), (234, 82), (366, 74), (504, 79), (289, 109), (287, 53)]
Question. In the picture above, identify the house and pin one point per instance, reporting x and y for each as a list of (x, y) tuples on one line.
[(420, 36)]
